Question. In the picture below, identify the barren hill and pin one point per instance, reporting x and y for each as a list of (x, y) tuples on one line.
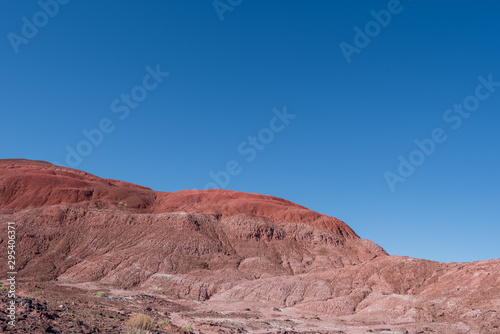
[(221, 260)]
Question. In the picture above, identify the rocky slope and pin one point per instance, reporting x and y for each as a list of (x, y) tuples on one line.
[(229, 261)]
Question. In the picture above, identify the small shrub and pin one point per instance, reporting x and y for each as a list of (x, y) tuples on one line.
[(141, 322), (188, 327), (100, 294), (4, 288), (165, 322), (38, 292)]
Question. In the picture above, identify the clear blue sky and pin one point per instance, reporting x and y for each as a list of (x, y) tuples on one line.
[(353, 120)]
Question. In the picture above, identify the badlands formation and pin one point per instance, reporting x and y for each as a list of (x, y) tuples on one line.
[(92, 253)]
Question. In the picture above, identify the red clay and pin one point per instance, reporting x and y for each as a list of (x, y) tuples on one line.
[(221, 261)]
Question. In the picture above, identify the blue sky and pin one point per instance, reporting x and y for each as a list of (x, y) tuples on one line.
[(348, 124)]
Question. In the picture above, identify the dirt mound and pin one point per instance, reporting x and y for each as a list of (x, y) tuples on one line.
[(29, 184), (227, 260)]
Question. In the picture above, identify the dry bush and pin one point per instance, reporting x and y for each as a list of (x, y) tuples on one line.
[(141, 322)]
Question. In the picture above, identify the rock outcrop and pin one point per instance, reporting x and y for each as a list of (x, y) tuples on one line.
[(219, 247)]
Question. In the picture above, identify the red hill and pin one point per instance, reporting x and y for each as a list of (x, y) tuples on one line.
[(224, 261)]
